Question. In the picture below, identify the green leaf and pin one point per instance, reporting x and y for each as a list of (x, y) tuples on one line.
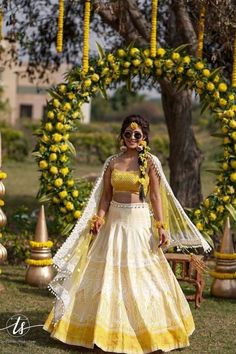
[(54, 94), (204, 107), (215, 172), (45, 198), (231, 210), (208, 239), (100, 51), (218, 135), (67, 229), (71, 148), (181, 47), (36, 154), (130, 46), (214, 72), (103, 92)]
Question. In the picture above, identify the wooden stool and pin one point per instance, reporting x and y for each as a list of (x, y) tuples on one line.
[(188, 273)]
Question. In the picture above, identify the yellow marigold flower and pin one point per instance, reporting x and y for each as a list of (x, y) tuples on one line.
[(148, 62), (206, 72), (175, 56), (186, 59), (232, 123), (136, 62), (0, 235), (105, 71), (55, 200), (108, 80), (190, 72), (64, 171), (70, 182), (63, 210), (233, 163), (121, 53), (142, 181), (169, 63), (180, 69), (3, 175), (45, 138), (229, 113), (158, 72), (87, 83), (199, 65), (71, 96), (56, 103), (54, 148), (230, 190), (54, 170), (69, 206), (77, 214), (197, 212), (2, 203), (50, 114), (220, 209), (199, 226), (64, 158), (75, 193), (146, 52), (75, 114), (64, 147), (216, 78), (161, 52), (212, 216), (231, 97), (216, 94), (43, 164), (222, 87), (67, 106), (58, 182), (59, 126), (225, 198), (133, 125), (66, 136), (62, 88), (222, 102), (233, 136), (57, 137), (143, 143), (210, 86), (126, 64), (61, 116), (134, 52), (225, 166), (233, 177), (206, 203), (226, 140), (53, 157), (42, 149), (48, 127), (95, 77), (63, 194), (234, 201)]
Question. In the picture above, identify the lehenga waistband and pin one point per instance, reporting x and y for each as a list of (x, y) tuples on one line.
[(129, 205)]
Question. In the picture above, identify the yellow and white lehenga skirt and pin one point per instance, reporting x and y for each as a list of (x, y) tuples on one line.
[(128, 300)]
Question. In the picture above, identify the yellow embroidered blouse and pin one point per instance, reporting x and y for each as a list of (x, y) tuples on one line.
[(127, 181)]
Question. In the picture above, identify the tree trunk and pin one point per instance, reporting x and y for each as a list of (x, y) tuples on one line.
[(185, 157)]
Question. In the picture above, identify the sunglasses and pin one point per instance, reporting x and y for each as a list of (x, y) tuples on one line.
[(137, 135)]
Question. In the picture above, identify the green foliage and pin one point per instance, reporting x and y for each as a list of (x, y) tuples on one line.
[(14, 143)]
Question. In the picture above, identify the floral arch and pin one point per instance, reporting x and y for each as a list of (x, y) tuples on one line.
[(54, 149)]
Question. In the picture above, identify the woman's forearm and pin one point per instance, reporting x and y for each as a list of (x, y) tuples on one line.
[(157, 207), (104, 205)]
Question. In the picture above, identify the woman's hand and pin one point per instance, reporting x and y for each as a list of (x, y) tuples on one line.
[(96, 227), (163, 237)]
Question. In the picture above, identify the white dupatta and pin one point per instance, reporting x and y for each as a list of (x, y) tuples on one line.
[(70, 258)]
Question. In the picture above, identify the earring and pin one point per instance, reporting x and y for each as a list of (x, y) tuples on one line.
[(123, 148)]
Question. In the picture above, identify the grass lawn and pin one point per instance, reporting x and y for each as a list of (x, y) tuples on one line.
[(215, 320)]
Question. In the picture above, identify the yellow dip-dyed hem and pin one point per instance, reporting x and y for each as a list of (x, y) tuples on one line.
[(120, 342)]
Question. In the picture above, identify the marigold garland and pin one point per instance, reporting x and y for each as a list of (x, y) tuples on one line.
[(39, 262), (225, 255), (60, 26), (201, 26), (53, 150), (86, 36), (153, 40), (219, 275), (36, 244), (234, 63)]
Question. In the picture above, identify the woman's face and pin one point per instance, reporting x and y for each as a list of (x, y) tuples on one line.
[(132, 137)]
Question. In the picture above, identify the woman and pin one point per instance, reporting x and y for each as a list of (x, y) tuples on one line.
[(118, 291)]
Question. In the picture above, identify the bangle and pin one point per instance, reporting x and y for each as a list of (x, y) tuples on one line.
[(160, 225), (96, 218)]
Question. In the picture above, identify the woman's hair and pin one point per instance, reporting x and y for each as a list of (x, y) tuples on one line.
[(144, 125)]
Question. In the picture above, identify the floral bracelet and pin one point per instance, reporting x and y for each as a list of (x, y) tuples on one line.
[(159, 224)]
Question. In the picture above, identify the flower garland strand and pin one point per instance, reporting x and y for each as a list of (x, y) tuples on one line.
[(201, 26), (39, 262), (234, 63), (225, 255), (153, 42), (86, 36), (219, 275), (36, 244), (60, 26)]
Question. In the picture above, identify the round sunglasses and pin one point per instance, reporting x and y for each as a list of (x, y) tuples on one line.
[(136, 135)]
